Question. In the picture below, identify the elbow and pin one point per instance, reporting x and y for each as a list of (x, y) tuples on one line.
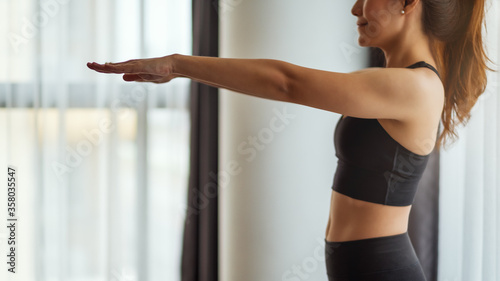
[(292, 91), (283, 81), (284, 88)]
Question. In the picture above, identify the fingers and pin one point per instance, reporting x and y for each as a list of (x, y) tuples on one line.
[(100, 67), (106, 68), (124, 67)]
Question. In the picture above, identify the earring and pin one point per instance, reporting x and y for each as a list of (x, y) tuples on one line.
[(402, 12)]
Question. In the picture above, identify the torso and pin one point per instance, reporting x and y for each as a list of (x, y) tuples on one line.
[(353, 219)]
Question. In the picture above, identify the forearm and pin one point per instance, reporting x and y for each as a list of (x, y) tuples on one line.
[(263, 78)]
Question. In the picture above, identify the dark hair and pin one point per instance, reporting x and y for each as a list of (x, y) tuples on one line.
[(455, 29)]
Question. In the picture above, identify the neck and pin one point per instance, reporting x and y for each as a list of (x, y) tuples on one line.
[(408, 48)]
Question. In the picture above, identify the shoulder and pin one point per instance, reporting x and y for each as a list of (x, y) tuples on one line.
[(417, 90), (418, 131), (430, 91)]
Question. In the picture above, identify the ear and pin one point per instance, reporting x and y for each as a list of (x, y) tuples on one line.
[(409, 5)]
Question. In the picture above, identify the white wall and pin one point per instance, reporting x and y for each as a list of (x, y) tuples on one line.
[(274, 208)]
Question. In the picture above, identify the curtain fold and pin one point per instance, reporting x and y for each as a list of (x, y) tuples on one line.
[(423, 225), (200, 242)]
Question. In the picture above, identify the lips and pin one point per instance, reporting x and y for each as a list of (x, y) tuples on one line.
[(361, 23)]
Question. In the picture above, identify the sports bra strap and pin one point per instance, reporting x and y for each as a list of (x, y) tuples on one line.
[(424, 64)]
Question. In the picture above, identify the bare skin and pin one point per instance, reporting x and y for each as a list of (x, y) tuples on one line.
[(407, 102), (352, 219)]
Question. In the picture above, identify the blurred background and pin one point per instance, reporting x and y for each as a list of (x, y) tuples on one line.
[(102, 164), (182, 181)]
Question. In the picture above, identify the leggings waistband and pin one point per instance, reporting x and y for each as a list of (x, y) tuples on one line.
[(364, 256), (379, 240)]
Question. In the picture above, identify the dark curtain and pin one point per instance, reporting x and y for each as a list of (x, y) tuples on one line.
[(200, 249), (424, 214)]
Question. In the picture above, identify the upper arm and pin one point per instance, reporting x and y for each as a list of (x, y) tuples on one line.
[(386, 93)]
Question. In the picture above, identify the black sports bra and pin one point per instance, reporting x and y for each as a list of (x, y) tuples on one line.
[(374, 167)]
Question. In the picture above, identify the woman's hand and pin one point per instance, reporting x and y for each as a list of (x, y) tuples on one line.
[(156, 70)]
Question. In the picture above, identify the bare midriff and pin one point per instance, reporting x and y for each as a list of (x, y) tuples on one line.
[(353, 219)]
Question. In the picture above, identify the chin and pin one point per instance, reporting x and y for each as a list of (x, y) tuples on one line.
[(364, 41)]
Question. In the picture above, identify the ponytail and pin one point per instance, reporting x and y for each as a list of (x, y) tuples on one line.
[(456, 38)]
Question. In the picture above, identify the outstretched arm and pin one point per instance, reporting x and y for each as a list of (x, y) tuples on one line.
[(389, 93)]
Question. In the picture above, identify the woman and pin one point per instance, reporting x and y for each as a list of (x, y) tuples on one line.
[(390, 120)]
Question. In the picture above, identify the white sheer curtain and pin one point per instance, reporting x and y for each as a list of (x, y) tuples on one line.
[(102, 164), (469, 218)]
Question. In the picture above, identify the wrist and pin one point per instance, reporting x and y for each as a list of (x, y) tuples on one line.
[(174, 64)]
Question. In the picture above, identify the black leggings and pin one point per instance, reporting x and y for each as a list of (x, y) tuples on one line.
[(385, 258)]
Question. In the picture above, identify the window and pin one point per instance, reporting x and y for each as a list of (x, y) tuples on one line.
[(102, 164)]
